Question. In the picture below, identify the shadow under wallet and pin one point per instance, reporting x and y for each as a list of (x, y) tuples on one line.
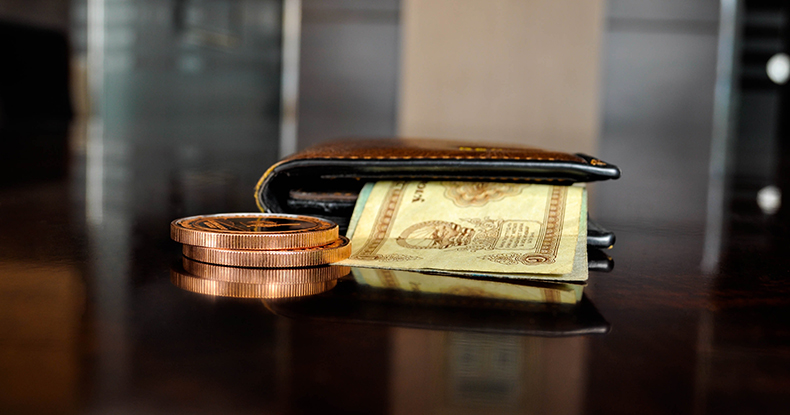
[(425, 301)]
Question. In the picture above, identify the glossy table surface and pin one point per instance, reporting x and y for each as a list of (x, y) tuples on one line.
[(91, 323)]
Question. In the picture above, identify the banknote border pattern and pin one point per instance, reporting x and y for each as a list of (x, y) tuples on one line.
[(549, 235), (381, 229)]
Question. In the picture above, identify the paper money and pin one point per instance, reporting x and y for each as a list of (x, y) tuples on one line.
[(578, 274), (470, 228), (464, 287)]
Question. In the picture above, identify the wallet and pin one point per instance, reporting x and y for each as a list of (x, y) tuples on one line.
[(325, 180)]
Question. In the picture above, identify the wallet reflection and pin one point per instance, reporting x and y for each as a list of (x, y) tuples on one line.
[(238, 282), (428, 301)]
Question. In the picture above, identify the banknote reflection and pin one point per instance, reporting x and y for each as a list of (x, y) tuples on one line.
[(449, 303), (450, 344)]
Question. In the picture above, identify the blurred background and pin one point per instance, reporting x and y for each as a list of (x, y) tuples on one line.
[(152, 110), (228, 87), (667, 90)]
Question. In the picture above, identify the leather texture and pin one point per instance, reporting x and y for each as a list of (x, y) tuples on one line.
[(444, 159), (324, 180), (425, 149)]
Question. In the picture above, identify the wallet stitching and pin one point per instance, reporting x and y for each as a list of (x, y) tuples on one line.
[(441, 157), (499, 178)]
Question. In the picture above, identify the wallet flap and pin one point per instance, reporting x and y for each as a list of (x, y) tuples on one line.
[(327, 176)]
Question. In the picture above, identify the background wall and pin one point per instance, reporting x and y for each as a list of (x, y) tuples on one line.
[(657, 93), (501, 71), (629, 81), (348, 69)]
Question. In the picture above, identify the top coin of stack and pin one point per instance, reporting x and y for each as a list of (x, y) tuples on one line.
[(260, 240)]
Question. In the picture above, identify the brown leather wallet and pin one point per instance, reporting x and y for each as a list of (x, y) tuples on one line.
[(325, 180)]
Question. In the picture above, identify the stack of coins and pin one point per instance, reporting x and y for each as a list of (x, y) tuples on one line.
[(257, 255)]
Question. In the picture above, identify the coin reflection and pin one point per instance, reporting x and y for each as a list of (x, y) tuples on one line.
[(264, 275), (237, 282)]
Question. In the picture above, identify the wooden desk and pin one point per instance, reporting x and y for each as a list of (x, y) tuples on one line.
[(112, 334)]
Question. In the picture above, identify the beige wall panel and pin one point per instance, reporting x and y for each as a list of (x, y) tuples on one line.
[(512, 71)]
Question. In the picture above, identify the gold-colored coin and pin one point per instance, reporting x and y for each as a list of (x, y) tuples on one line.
[(199, 285), (253, 231), (338, 250), (265, 275)]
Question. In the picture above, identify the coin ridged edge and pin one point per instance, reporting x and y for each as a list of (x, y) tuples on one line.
[(251, 240), (305, 257), (264, 275), (244, 290)]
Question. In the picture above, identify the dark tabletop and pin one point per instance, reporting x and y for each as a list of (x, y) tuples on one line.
[(686, 322)]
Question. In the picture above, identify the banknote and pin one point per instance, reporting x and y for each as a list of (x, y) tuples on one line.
[(578, 274), (483, 228), (465, 287)]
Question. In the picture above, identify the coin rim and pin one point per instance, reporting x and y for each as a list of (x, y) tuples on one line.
[(226, 239), (296, 258)]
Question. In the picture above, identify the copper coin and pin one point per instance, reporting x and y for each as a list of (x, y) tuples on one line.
[(338, 250), (199, 285), (253, 231), (265, 275)]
